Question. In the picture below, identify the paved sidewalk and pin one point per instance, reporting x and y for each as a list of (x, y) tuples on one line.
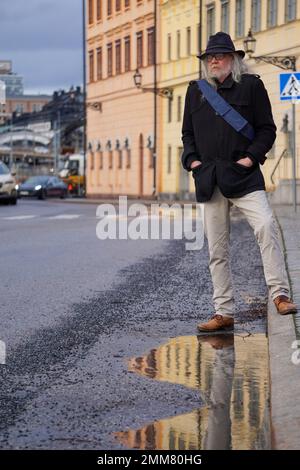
[(283, 331)]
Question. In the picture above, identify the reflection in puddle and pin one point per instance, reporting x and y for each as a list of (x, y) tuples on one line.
[(231, 373)]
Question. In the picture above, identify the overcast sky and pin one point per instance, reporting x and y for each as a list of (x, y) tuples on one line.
[(43, 38)]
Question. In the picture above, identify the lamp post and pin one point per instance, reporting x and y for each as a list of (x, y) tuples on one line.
[(285, 63), (163, 92)]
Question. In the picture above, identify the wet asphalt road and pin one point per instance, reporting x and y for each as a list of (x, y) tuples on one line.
[(75, 309)]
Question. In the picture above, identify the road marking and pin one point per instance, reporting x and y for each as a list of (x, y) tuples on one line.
[(19, 217), (58, 217), (65, 216)]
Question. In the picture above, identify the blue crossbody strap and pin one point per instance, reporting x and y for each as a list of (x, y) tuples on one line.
[(230, 115)]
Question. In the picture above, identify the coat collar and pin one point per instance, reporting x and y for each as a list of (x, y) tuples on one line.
[(228, 82)]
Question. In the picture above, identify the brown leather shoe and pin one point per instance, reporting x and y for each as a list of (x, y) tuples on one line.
[(219, 341), (217, 322), (284, 305)]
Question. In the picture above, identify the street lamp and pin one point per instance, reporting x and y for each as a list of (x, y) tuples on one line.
[(137, 77), (164, 92), (283, 62)]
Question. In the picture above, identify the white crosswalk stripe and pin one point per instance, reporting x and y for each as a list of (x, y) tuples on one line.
[(65, 216), (27, 217), (19, 217)]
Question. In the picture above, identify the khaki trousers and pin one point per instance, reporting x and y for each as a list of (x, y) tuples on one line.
[(256, 209)]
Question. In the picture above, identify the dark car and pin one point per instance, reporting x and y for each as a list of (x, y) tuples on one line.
[(43, 187)]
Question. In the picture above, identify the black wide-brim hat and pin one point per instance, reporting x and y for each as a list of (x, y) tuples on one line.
[(220, 42)]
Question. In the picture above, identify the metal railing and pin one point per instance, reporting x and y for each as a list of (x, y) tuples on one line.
[(277, 163)]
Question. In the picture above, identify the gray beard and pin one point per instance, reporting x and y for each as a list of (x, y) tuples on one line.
[(221, 74)]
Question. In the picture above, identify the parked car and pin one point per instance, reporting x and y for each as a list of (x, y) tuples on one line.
[(43, 187), (8, 189)]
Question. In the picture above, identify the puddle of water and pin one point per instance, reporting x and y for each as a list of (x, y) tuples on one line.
[(231, 374)]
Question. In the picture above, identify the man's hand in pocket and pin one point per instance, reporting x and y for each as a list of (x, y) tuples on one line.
[(195, 164), (246, 161)]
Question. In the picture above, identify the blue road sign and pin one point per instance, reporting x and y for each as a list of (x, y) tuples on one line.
[(289, 86)]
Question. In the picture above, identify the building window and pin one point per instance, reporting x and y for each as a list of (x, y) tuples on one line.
[(210, 15), (99, 63), (100, 160), (272, 13), (169, 159), (128, 162), (110, 159), (91, 11), (290, 10), (127, 53), (239, 18), (91, 65), (19, 108), (118, 56), (151, 46), (256, 15), (92, 160), (178, 44), (139, 38), (225, 16), (151, 158), (99, 10), (118, 5), (170, 102), (188, 41), (109, 8), (120, 159), (179, 106), (109, 60), (127, 3), (169, 47)]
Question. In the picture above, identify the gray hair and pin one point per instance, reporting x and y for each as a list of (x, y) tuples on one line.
[(239, 67)]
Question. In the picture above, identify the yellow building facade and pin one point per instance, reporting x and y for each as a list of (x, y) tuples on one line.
[(120, 120), (275, 24), (179, 45)]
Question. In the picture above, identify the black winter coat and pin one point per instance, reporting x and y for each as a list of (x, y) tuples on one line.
[(210, 139)]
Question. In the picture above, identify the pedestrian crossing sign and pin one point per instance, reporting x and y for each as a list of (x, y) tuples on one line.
[(289, 86)]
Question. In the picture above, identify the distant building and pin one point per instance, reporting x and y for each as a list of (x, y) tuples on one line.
[(12, 97), (40, 137), (13, 81), (26, 103)]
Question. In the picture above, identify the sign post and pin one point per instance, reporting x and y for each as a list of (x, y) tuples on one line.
[(290, 91)]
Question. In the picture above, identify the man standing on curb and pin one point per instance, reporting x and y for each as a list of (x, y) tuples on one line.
[(227, 130)]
